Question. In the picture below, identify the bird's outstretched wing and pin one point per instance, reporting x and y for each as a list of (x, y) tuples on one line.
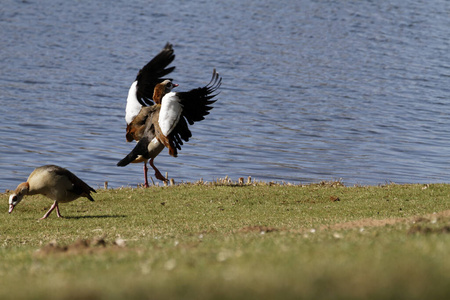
[(195, 104), (152, 74)]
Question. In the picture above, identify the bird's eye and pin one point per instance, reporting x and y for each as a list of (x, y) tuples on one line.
[(169, 85)]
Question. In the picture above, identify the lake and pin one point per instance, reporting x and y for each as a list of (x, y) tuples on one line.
[(312, 90)]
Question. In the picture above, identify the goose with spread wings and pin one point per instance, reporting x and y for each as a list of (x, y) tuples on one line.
[(140, 95), (165, 124)]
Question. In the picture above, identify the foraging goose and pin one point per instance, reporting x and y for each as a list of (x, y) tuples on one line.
[(140, 95), (53, 182), (165, 124)]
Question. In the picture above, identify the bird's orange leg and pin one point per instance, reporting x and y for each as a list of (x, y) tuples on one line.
[(145, 174), (55, 205), (57, 211), (158, 174)]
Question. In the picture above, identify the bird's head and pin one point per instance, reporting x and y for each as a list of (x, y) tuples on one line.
[(17, 196), (161, 89)]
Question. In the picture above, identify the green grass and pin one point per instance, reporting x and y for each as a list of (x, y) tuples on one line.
[(217, 241)]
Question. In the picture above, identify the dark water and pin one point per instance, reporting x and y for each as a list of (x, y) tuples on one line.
[(312, 90)]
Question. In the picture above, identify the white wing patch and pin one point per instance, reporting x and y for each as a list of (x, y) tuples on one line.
[(133, 105), (170, 113)]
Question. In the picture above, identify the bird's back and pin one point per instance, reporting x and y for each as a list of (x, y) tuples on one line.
[(58, 184)]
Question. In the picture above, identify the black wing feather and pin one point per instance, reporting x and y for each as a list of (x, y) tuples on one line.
[(152, 74), (196, 105)]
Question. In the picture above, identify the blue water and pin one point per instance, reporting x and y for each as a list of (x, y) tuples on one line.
[(312, 90)]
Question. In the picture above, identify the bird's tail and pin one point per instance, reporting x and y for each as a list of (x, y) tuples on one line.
[(127, 159), (139, 149)]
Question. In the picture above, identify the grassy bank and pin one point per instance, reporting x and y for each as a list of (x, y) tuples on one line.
[(206, 241)]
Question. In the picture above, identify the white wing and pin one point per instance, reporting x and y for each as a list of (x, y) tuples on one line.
[(133, 105), (170, 113)]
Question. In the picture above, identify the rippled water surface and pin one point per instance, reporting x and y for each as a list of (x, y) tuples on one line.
[(312, 90)]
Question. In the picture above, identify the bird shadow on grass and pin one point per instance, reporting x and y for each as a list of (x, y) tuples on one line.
[(94, 217)]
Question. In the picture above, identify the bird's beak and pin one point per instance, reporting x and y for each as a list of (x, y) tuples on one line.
[(11, 207), (175, 84)]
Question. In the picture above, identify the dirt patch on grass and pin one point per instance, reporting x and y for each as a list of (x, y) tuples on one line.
[(81, 246), (258, 228), (361, 223), (427, 224), (445, 215), (428, 229)]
